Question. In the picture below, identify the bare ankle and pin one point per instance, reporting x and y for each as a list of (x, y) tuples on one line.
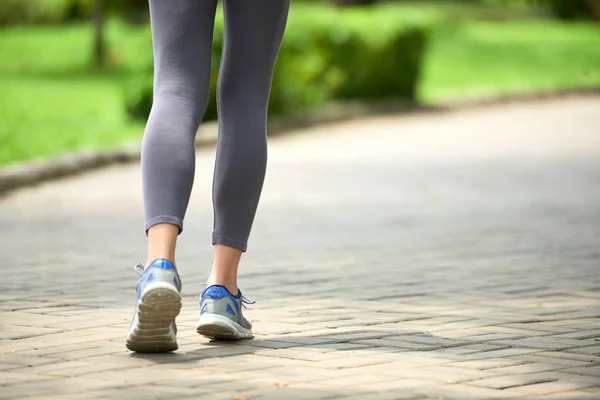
[(162, 240), (225, 268)]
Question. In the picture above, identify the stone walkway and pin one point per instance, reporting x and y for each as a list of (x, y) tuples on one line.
[(439, 256)]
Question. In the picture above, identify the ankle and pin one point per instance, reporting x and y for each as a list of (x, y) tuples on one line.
[(162, 241)]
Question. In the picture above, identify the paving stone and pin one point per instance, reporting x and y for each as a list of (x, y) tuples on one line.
[(397, 344), (581, 334), (390, 395), (559, 375), (593, 371), (526, 368), (474, 353), (474, 349), (568, 355), (489, 363), (441, 374), (510, 381), (592, 350), (565, 362), (464, 392), (572, 394), (549, 343), (548, 388)]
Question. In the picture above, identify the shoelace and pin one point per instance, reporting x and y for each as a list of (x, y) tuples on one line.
[(139, 268), (246, 300)]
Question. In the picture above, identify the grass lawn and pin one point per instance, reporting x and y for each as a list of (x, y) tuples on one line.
[(51, 102), (483, 59)]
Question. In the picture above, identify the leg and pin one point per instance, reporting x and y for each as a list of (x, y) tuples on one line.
[(253, 33), (182, 39), (182, 32)]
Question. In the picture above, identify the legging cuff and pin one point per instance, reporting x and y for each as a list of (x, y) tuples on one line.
[(164, 219), (236, 244)]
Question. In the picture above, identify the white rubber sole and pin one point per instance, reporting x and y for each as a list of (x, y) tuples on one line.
[(157, 309), (214, 326)]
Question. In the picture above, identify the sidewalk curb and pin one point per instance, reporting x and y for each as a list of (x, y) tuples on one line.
[(31, 173)]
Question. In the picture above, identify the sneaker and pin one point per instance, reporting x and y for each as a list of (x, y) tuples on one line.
[(153, 328), (221, 315)]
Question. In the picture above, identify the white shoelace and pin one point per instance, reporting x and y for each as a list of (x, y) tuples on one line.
[(139, 268)]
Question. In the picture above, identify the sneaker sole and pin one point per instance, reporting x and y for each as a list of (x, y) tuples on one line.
[(157, 309), (215, 326)]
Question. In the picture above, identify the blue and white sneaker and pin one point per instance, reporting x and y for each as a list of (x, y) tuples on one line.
[(153, 328), (221, 315)]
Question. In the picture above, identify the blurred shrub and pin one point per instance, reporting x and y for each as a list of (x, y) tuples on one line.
[(132, 11), (16, 12), (138, 96), (576, 9), (78, 10), (327, 55)]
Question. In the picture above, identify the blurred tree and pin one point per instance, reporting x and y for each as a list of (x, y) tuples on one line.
[(99, 44)]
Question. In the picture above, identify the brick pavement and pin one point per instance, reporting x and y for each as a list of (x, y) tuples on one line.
[(452, 256)]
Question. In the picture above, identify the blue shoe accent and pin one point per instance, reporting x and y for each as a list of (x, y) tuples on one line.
[(204, 309), (162, 263), (218, 292), (229, 310)]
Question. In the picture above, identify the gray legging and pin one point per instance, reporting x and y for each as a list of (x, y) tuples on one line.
[(182, 34)]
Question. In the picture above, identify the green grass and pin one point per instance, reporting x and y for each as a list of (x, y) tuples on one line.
[(46, 117), (482, 59), (51, 102)]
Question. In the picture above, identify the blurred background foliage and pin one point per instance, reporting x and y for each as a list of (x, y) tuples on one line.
[(77, 74)]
